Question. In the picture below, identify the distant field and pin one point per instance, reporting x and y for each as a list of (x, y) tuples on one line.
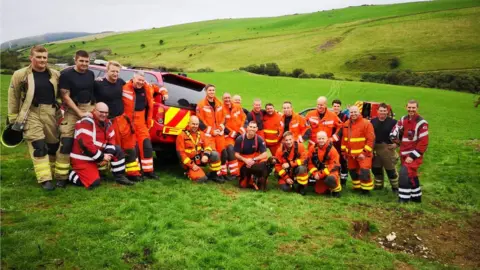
[(175, 224), (437, 35)]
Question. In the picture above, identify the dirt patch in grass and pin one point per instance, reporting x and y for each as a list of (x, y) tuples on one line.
[(475, 143), (450, 242), (330, 44), (231, 193), (360, 228)]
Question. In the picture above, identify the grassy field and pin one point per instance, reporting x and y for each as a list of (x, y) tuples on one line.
[(438, 35), (175, 224)]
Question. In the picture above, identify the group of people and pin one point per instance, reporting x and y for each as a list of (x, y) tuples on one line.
[(105, 124)]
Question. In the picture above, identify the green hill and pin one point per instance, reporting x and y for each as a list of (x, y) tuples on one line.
[(175, 224), (425, 36)]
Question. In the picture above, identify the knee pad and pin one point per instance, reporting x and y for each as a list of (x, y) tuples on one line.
[(377, 171), (52, 148), (330, 181), (119, 152), (147, 148), (224, 156), (230, 153), (364, 174), (67, 144), (392, 174), (39, 148), (214, 156), (301, 170), (285, 187), (353, 174), (130, 155)]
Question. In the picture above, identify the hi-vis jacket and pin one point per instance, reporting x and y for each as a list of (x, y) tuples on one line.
[(212, 118), (22, 90), (297, 126), (190, 144), (357, 137), (413, 134), (91, 140), (328, 123), (129, 102), (272, 128), (295, 156), (234, 120)]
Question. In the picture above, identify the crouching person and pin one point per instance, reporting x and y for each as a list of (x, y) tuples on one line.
[(324, 165), (195, 151), (291, 164), (93, 147), (251, 152)]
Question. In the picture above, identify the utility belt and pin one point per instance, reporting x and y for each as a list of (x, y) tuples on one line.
[(36, 104)]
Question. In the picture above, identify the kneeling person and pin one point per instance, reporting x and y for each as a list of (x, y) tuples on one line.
[(195, 151), (291, 169), (93, 146), (324, 165), (251, 152)]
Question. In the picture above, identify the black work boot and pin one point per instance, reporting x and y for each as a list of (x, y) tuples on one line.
[(301, 190), (365, 192), (336, 194), (229, 178), (135, 178), (62, 183), (151, 175), (47, 185), (395, 190), (215, 177), (122, 180)]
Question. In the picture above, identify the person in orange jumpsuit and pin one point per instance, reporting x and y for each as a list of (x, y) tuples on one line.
[(291, 164), (324, 165), (294, 123), (212, 121), (358, 137), (160, 90), (195, 151), (234, 119), (256, 114), (251, 152), (322, 119), (337, 109), (138, 106), (272, 128)]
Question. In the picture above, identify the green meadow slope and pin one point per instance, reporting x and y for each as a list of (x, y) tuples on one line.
[(175, 224), (425, 36)]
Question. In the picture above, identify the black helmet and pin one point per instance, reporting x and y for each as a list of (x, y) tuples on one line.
[(11, 137)]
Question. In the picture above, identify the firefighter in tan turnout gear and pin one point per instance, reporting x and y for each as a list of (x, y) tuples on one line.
[(32, 108), (76, 87)]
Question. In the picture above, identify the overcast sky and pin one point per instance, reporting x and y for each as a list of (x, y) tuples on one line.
[(22, 18)]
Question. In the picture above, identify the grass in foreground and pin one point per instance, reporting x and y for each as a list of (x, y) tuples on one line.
[(173, 223)]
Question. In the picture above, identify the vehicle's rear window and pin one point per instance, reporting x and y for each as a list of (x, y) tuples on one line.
[(127, 75), (182, 92)]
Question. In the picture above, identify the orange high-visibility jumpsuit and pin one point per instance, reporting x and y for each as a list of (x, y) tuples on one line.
[(297, 126), (296, 157), (329, 167), (358, 138), (329, 123), (271, 129), (234, 121), (142, 121)]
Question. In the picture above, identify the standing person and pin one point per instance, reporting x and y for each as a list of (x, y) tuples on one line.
[(357, 145), (385, 156), (237, 99), (32, 110), (291, 164), (251, 152), (256, 114), (76, 87), (324, 165), (272, 128), (138, 106), (322, 119), (412, 131), (195, 151), (94, 144), (234, 119), (295, 123), (212, 121), (337, 109), (109, 90)]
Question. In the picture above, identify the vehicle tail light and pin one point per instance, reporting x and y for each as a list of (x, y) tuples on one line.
[(160, 115)]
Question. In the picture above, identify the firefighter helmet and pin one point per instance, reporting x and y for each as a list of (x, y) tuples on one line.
[(10, 137)]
